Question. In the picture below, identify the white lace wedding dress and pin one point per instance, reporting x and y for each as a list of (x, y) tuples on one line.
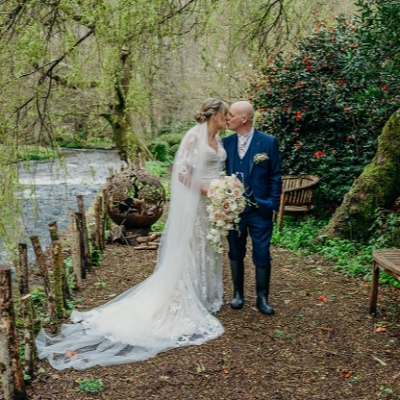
[(171, 308)]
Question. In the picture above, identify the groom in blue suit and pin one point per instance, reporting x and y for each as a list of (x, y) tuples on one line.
[(254, 157)]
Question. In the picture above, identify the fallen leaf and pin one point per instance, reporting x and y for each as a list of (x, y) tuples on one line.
[(225, 371), (380, 329), (345, 374), (326, 328), (70, 353), (322, 298)]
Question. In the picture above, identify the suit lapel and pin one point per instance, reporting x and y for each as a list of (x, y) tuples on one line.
[(231, 151), (253, 149)]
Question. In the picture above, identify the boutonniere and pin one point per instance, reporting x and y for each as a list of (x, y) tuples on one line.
[(260, 157)]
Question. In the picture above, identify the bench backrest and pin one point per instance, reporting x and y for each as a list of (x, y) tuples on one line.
[(298, 190)]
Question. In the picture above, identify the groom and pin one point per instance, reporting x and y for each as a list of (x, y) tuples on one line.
[(254, 157)]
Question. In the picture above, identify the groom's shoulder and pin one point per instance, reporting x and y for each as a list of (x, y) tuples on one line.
[(229, 136), (264, 135)]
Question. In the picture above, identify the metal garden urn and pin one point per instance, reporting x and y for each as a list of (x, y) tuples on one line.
[(135, 199)]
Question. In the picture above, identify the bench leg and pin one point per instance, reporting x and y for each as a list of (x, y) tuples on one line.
[(374, 288), (281, 212)]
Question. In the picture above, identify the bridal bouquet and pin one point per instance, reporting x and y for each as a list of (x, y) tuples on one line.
[(225, 203)]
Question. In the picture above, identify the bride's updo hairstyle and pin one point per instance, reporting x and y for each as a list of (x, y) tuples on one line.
[(208, 108)]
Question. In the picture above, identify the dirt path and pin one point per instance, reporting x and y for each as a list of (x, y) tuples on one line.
[(321, 344)]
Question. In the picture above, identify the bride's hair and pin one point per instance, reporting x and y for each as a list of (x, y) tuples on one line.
[(208, 108)]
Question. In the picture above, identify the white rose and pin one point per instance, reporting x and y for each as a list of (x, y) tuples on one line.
[(233, 205)]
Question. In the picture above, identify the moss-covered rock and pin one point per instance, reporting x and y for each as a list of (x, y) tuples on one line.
[(377, 186)]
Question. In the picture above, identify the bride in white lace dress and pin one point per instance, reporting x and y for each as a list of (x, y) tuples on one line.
[(172, 307)]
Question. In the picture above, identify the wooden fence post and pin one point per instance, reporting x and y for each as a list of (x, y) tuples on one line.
[(23, 273), (44, 273), (29, 336), (58, 275), (99, 242), (107, 219), (75, 249), (10, 362), (86, 253), (79, 223), (55, 242)]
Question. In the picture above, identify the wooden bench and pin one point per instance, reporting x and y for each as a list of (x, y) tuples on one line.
[(297, 194), (389, 261)]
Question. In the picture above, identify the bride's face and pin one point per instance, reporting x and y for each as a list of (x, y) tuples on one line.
[(220, 120)]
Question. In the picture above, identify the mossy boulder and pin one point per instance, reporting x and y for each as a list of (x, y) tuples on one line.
[(377, 186)]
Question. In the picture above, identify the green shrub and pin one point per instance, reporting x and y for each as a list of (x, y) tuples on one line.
[(171, 126), (90, 386), (173, 149), (349, 257), (172, 138), (325, 117), (159, 149)]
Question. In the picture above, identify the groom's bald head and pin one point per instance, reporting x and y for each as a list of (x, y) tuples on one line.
[(240, 117)]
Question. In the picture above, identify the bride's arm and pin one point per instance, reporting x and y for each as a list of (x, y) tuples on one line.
[(187, 162)]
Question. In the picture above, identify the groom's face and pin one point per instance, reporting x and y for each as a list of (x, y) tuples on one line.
[(233, 119)]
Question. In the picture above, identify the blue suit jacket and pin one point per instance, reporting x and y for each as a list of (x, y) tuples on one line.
[(266, 176)]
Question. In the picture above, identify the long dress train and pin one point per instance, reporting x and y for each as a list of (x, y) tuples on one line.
[(172, 307)]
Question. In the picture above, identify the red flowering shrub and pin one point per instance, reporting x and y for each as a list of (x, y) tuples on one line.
[(326, 119)]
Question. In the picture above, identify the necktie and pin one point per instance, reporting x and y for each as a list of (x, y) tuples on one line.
[(242, 145)]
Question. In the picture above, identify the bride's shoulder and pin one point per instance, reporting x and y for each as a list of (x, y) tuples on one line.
[(192, 135)]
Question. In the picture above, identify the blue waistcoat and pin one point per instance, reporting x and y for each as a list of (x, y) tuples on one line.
[(241, 167)]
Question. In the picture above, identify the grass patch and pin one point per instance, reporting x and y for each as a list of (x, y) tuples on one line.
[(350, 257)]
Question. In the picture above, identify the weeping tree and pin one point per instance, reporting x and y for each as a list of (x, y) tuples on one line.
[(377, 187), (93, 53)]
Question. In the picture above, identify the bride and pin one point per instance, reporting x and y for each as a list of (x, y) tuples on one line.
[(172, 307)]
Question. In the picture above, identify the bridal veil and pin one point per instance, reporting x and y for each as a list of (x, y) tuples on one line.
[(167, 309)]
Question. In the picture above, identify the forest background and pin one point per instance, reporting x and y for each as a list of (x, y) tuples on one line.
[(323, 76)]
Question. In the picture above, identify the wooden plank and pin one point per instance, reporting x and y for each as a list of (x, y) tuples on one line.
[(388, 259)]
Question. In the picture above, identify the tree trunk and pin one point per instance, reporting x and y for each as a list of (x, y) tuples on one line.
[(128, 143), (377, 186), (10, 362)]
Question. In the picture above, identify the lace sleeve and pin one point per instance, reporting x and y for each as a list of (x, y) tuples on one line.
[(187, 158)]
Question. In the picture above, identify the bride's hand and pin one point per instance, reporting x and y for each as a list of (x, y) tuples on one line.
[(204, 190)]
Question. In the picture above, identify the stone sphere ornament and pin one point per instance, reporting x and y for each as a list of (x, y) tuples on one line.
[(135, 199)]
